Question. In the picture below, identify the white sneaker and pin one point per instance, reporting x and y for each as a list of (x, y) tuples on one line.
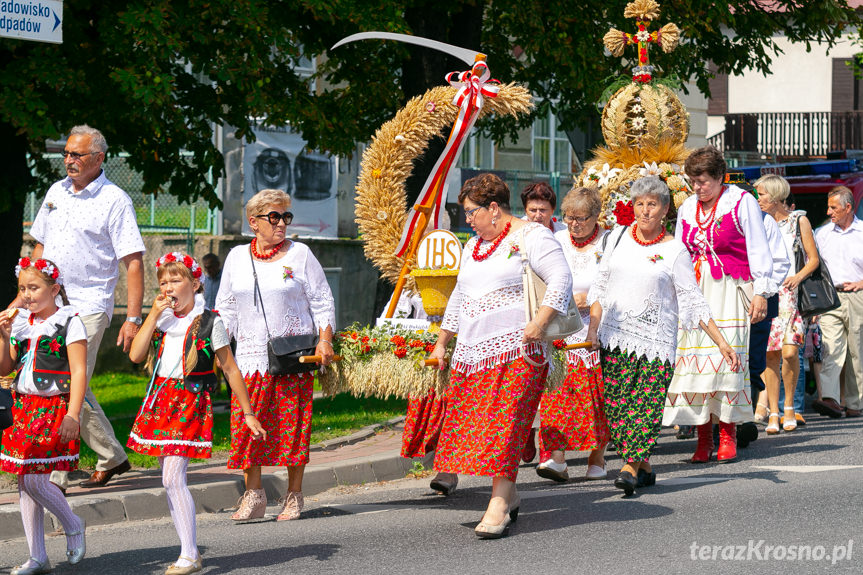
[(552, 470), (595, 472)]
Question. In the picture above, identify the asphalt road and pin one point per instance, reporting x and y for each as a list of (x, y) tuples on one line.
[(790, 505)]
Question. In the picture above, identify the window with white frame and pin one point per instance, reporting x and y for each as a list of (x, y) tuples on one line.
[(552, 151), (477, 153)]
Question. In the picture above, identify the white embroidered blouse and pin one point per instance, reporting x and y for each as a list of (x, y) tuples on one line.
[(644, 292), (296, 297), (486, 307), (750, 223), (583, 265)]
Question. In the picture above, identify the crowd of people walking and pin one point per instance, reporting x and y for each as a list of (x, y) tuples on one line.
[(670, 327)]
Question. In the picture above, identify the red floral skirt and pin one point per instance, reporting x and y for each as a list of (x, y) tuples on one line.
[(573, 415), (423, 424), (283, 405), (32, 444), (487, 419), (173, 421)]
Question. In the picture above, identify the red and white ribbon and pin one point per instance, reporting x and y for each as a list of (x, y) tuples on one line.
[(473, 86)]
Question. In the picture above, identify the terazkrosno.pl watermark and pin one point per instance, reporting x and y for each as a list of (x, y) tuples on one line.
[(760, 550)]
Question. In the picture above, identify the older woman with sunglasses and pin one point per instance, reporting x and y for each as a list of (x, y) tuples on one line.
[(294, 293)]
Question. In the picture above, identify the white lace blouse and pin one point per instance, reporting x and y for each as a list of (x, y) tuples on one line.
[(644, 292), (296, 297), (583, 266), (486, 307)]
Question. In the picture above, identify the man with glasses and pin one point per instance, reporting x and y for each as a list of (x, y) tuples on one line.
[(87, 225)]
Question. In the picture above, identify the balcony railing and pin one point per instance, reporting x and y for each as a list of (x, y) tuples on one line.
[(791, 134)]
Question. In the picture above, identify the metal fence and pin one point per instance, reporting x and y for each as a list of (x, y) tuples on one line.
[(155, 215)]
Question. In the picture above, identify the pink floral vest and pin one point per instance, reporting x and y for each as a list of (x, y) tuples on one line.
[(723, 245)]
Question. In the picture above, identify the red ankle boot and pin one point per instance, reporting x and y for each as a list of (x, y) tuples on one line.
[(705, 443), (727, 442)]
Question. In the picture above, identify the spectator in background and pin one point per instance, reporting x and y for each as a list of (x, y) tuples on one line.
[(841, 246), (212, 278), (539, 202), (787, 330)]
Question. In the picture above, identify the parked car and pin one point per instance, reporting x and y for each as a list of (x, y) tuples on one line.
[(812, 181)]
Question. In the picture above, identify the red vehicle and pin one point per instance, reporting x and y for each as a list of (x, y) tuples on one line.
[(812, 181)]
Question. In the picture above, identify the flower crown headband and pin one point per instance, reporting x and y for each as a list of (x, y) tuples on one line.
[(43, 266), (184, 259)]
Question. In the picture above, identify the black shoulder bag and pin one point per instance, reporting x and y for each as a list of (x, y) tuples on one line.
[(816, 294), (284, 352)]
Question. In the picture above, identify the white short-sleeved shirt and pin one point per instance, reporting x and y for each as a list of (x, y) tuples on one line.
[(842, 251), (175, 328), (27, 326), (87, 234)]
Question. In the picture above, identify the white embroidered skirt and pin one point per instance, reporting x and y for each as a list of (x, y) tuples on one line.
[(703, 385)]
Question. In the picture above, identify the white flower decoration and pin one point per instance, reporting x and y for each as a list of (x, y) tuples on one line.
[(638, 123), (643, 36), (636, 109), (649, 170), (602, 177)]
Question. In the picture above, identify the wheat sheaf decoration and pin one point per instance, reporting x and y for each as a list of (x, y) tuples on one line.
[(381, 201)]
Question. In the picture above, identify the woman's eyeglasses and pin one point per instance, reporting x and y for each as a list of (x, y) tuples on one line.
[(274, 217), (577, 220), (469, 214)]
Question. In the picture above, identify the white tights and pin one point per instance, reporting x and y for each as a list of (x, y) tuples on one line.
[(38, 494), (181, 504)]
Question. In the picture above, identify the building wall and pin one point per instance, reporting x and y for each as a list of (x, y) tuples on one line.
[(799, 81)]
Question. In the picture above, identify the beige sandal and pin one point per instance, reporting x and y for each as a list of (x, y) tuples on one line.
[(292, 506), (252, 505)]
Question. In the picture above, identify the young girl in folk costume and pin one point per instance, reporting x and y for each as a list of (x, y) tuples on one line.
[(175, 422), (47, 345)]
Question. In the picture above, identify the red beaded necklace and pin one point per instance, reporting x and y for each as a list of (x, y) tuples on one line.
[(699, 211), (584, 243), (270, 254), (479, 257), (655, 240)]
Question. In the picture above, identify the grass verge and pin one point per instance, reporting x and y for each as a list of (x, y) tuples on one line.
[(120, 395)]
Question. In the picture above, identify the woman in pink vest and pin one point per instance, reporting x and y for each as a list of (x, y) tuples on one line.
[(722, 228)]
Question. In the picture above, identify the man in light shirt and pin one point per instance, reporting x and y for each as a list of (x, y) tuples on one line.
[(840, 244), (87, 225)]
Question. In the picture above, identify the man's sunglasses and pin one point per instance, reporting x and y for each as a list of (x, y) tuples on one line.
[(274, 217)]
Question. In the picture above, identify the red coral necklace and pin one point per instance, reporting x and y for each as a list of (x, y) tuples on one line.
[(655, 240), (699, 211), (584, 243), (270, 254), (478, 256)]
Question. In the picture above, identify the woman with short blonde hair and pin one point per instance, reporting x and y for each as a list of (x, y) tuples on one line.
[(787, 330)]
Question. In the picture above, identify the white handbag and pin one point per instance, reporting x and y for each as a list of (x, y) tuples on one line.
[(563, 324)]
